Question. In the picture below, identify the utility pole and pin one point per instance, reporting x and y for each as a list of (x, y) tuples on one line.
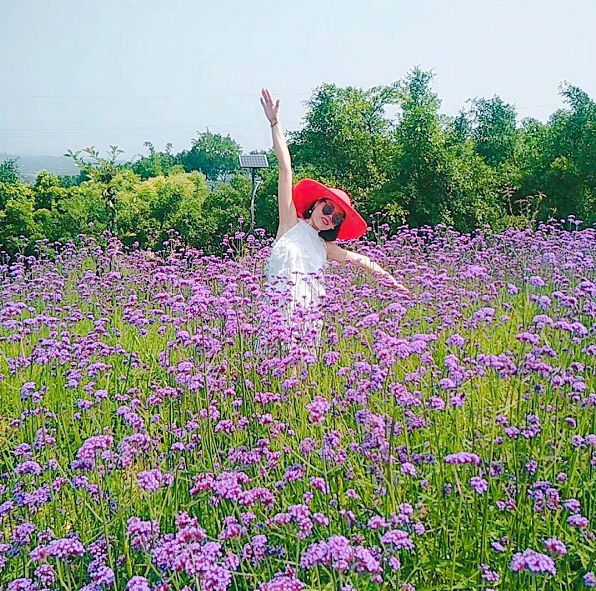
[(254, 162)]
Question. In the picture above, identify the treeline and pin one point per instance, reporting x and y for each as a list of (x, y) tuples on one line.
[(416, 167)]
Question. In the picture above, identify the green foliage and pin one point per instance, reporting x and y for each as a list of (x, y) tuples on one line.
[(224, 210), (47, 190), (347, 138), (70, 180), (178, 204), (420, 168), (96, 168), (10, 191), (561, 162), (17, 226), (156, 163), (494, 130), (414, 167), (9, 171), (216, 156)]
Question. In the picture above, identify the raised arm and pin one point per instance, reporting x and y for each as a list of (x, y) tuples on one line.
[(287, 210), (337, 253)]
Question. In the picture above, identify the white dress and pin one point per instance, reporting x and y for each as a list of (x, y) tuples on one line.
[(297, 260)]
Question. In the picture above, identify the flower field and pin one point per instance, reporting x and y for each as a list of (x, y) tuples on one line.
[(162, 429)]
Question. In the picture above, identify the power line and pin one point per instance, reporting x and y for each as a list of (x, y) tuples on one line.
[(142, 127), (21, 133), (17, 134), (253, 95)]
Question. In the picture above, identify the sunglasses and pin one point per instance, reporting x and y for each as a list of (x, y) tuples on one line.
[(337, 218)]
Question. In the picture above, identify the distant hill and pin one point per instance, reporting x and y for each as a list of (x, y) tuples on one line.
[(29, 166)]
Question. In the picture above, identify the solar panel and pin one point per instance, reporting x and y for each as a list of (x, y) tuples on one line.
[(253, 161)]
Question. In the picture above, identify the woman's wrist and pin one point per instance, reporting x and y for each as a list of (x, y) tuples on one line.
[(375, 268)]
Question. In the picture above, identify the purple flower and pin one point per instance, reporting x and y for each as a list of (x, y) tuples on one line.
[(338, 553), (141, 533), (282, 583), (408, 468), (86, 455), (463, 457), (398, 538), (455, 339), (555, 546), (537, 281), (377, 522), (65, 548), (480, 485), (29, 468), (46, 574), (573, 505), (138, 583), (533, 561), (489, 575), (153, 480), (103, 576), (436, 403), (319, 484), (447, 384), (22, 585), (22, 533), (578, 521), (317, 409)]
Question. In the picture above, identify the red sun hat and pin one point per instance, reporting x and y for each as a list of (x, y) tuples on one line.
[(307, 191)]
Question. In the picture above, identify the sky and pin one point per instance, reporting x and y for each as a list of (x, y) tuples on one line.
[(79, 73)]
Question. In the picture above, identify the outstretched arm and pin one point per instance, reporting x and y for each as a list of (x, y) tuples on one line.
[(336, 253), (287, 210)]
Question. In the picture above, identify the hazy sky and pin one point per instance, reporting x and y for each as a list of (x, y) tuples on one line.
[(80, 73)]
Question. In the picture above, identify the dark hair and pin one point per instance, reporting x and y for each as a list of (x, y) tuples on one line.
[(327, 235)]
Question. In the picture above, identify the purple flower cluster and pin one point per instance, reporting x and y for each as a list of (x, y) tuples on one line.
[(533, 561), (480, 485), (63, 549), (338, 553), (317, 409), (398, 539), (153, 480), (142, 534), (463, 457), (282, 583)]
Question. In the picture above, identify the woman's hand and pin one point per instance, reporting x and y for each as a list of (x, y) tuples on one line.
[(271, 110), (336, 253), (393, 282)]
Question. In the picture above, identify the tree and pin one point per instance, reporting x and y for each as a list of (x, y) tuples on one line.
[(103, 171), (47, 190), (9, 171), (419, 177), (435, 175), (216, 156), (156, 164), (223, 207), (17, 226), (346, 137), (494, 130), (559, 159), (147, 210)]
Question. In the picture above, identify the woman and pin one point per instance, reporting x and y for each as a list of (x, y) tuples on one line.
[(311, 217)]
